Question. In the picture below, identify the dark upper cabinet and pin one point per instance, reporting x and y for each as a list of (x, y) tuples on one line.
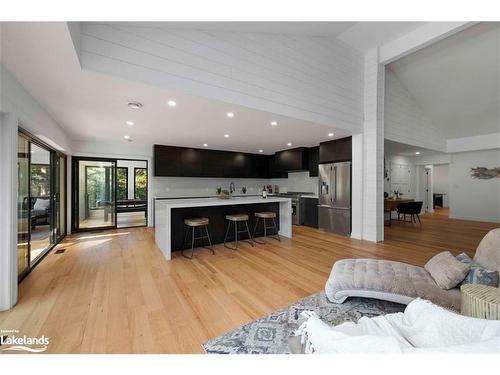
[(336, 150), (313, 161), (295, 159), (171, 161), (272, 168)]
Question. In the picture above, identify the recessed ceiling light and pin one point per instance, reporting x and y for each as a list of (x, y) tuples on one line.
[(130, 123), (261, 150), (135, 105), (205, 145), (230, 114), (417, 153), (288, 144), (330, 134), (226, 135), (171, 103), (274, 123), (126, 137)]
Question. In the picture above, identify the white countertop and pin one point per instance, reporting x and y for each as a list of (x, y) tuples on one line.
[(200, 202), (309, 196)]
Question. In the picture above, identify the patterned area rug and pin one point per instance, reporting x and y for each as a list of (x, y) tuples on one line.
[(269, 335)]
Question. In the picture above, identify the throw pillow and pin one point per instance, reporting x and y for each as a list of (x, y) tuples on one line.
[(41, 204), (478, 274), (446, 270)]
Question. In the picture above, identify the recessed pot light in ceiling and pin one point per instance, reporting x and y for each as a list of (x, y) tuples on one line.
[(226, 135), (205, 145), (288, 144), (274, 123), (261, 150), (330, 134), (171, 103), (417, 153), (230, 114), (134, 105), (129, 123), (127, 138)]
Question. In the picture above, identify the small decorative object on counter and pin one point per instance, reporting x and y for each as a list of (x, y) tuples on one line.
[(224, 194), (269, 189), (397, 194), (264, 193), (219, 190), (244, 189)]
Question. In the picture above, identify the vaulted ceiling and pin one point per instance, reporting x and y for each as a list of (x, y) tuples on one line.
[(456, 82)]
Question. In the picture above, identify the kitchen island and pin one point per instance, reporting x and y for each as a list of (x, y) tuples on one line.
[(170, 215)]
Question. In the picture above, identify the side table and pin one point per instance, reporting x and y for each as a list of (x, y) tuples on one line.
[(480, 301)]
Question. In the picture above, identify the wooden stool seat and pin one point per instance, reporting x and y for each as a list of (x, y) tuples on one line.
[(237, 217), (200, 223), (196, 221), (265, 215)]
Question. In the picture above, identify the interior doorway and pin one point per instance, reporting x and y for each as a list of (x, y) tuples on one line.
[(109, 193)]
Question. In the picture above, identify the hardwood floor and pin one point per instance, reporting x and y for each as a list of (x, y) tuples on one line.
[(112, 291)]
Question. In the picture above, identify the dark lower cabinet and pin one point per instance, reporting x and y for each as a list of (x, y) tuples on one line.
[(309, 212)]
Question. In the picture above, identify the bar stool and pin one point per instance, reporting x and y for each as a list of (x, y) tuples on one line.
[(266, 216), (237, 218), (193, 223)]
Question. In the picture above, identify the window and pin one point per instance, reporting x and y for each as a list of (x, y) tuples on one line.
[(121, 183), (140, 183)]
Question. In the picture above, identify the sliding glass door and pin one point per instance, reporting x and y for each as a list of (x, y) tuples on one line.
[(41, 208), (94, 193)]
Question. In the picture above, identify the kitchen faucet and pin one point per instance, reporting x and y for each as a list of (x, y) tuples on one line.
[(232, 189)]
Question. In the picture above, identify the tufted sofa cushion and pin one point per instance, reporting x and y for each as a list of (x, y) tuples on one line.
[(388, 280), (488, 251)]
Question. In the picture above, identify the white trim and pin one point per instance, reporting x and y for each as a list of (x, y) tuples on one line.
[(419, 38), (8, 211)]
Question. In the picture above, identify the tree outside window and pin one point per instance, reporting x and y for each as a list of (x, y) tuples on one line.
[(140, 183), (121, 183)]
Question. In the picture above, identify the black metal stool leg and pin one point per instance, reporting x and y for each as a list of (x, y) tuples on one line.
[(249, 235), (192, 244), (254, 231), (276, 229), (227, 232), (209, 240)]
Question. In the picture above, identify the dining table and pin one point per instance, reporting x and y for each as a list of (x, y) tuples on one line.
[(391, 204)]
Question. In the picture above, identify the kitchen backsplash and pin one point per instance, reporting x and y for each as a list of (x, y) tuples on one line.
[(173, 187)]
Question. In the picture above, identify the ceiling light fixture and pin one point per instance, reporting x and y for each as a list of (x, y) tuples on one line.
[(171, 103), (261, 150), (417, 153), (205, 145), (230, 114), (130, 123), (135, 105), (126, 136), (288, 144), (274, 123), (330, 134), (226, 135)]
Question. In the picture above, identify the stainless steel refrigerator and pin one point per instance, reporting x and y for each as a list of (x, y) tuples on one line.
[(334, 207)]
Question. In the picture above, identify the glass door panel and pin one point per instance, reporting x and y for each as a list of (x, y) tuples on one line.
[(41, 201), (23, 205), (96, 194)]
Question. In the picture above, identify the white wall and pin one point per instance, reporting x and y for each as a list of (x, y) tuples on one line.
[(441, 182), (297, 181), (32, 117), (405, 122), (471, 198), (310, 78)]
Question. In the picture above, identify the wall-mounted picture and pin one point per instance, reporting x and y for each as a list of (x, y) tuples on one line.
[(483, 173)]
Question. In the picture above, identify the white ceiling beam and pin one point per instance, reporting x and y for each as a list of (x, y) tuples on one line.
[(419, 38)]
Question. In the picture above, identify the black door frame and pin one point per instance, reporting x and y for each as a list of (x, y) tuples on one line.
[(53, 240), (75, 192)]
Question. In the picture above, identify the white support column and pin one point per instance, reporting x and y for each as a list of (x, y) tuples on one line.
[(373, 148), (8, 211), (357, 187)]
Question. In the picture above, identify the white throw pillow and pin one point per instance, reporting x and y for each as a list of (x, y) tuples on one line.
[(41, 204)]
